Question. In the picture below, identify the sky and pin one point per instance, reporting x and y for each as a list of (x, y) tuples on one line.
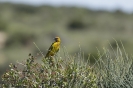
[(109, 5)]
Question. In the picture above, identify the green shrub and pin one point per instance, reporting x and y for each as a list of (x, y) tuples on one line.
[(25, 9), (19, 38), (53, 72), (76, 24), (116, 70)]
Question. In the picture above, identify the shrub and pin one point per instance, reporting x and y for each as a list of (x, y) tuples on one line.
[(25, 9), (76, 24), (19, 38), (53, 72), (116, 70)]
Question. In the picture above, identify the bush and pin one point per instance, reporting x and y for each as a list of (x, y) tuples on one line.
[(52, 73), (76, 24), (116, 71), (19, 38), (25, 9)]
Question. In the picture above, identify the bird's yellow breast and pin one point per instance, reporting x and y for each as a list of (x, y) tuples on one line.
[(55, 48)]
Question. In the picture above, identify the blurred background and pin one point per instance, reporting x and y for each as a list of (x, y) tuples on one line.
[(85, 24)]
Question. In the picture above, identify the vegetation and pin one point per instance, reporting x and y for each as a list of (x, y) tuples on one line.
[(52, 73), (22, 25), (73, 72), (115, 71)]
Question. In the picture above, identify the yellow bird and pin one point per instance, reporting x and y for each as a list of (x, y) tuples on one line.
[(54, 48)]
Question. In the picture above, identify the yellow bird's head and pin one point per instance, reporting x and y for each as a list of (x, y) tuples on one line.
[(57, 39)]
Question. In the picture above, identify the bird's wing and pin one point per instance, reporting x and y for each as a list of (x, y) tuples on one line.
[(49, 50)]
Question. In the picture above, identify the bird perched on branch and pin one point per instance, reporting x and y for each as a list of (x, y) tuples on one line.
[(54, 48)]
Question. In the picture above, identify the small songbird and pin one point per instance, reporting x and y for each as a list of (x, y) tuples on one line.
[(54, 48)]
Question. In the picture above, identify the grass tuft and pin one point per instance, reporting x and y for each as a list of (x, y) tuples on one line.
[(116, 70)]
